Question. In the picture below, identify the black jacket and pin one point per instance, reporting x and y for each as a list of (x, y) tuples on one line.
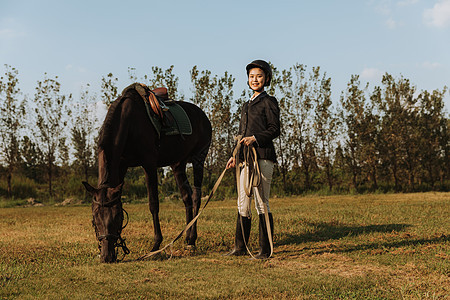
[(261, 118)]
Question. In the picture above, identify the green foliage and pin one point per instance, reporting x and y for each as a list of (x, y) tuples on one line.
[(214, 95), (52, 112), (32, 160), (159, 78), (12, 114), (22, 188), (109, 91), (391, 138), (83, 134)]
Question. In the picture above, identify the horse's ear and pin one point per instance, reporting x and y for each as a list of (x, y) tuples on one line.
[(118, 188), (89, 187)]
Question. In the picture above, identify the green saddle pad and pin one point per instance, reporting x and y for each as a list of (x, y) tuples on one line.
[(179, 125)]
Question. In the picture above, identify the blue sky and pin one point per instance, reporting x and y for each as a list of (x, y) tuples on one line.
[(81, 41)]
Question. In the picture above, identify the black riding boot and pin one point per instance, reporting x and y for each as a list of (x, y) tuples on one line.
[(239, 245), (264, 244)]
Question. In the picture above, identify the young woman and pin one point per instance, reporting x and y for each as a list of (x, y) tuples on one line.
[(259, 125)]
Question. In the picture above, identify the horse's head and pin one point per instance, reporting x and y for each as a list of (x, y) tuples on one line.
[(107, 219)]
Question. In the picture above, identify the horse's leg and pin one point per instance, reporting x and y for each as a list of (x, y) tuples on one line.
[(197, 164), (151, 179), (179, 171)]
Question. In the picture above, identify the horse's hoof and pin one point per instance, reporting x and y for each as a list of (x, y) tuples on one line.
[(190, 248), (156, 247)]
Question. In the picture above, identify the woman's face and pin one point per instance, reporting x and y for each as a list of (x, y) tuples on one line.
[(256, 79)]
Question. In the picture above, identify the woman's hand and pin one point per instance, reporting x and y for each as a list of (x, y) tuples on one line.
[(247, 141), (231, 163)]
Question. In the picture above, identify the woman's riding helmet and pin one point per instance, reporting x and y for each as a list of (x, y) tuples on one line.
[(263, 65)]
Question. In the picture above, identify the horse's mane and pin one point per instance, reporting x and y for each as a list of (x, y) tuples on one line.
[(105, 140), (106, 131)]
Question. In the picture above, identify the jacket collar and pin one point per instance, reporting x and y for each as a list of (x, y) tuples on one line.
[(258, 98)]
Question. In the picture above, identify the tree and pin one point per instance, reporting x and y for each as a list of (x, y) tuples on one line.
[(433, 135), (325, 125), (32, 160), (221, 118), (282, 146), (353, 104), (166, 79), (297, 90), (398, 132), (83, 133), (52, 111), (159, 78), (12, 112), (213, 95), (370, 143), (109, 89)]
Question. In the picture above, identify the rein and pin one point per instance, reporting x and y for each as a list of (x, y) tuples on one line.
[(216, 185), (118, 240)]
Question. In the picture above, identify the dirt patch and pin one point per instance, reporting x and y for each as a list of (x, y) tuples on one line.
[(69, 201), (33, 202)]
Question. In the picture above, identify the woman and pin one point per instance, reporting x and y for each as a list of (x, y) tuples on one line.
[(259, 125)]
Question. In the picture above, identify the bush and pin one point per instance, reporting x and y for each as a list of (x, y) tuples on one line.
[(22, 188)]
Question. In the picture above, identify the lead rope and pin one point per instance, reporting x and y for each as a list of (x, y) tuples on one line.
[(188, 225), (121, 243), (216, 185), (253, 180)]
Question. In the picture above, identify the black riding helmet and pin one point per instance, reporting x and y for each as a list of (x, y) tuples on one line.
[(263, 65)]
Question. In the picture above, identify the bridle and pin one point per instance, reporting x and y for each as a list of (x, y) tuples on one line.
[(118, 240)]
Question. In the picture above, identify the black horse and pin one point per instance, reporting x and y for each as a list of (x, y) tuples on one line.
[(129, 139)]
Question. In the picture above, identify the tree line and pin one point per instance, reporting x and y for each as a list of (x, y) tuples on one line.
[(390, 137)]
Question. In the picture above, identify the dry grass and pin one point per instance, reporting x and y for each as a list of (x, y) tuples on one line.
[(337, 247)]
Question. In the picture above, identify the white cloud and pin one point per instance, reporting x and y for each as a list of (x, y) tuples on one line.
[(10, 33), (382, 7), (439, 15), (386, 9), (10, 28), (430, 65), (407, 2), (390, 23), (71, 67), (371, 74)]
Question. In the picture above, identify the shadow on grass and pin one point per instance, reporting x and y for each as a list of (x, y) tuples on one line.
[(384, 246), (331, 231)]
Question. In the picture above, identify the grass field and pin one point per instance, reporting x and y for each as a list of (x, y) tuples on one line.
[(336, 247)]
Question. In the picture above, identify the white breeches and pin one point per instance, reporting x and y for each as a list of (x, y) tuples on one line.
[(260, 193)]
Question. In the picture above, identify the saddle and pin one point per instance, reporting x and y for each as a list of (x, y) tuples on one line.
[(166, 115), (157, 99)]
